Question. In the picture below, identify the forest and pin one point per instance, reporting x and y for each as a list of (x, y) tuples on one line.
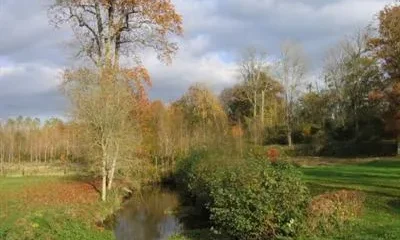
[(285, 153)]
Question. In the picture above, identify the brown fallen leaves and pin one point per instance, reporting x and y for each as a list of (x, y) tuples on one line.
[(60, 193)]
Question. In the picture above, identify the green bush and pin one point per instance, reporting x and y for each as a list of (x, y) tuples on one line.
[(248, 198)]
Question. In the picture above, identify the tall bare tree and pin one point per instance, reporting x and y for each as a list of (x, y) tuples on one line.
[(107, 29), (252, 66), (351, 73), (292, 69)]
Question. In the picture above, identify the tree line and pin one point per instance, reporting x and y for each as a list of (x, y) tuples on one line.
[(353, 100), (28, 140)]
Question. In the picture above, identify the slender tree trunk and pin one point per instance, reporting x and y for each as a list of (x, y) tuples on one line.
[(357, 128), (19, 152), (289, 122), (10, 152), (104, 180), (52, 152), (240, 139), (31, 152), (255, 104), (19, 155), (262, 107), (2, 156), (112, 170), (289, 136), (66, 161), (45, 154), (204, 133), (156, 165), (37, 154)]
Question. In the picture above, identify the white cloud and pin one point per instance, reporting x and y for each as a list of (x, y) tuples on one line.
[(351, 12), (31, 52), (28, 79), (191, 65)]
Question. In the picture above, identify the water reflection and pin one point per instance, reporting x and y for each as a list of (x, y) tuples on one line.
[(148, 216)]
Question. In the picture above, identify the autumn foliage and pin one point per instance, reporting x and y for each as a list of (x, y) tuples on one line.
[(330, 211), (273, 154)]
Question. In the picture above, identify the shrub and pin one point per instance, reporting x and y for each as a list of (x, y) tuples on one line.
[(273, 154), (249, 198), (193, 176), (330, 211), (259, 200)]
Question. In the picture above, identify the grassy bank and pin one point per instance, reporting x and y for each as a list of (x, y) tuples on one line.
[(51, 208)]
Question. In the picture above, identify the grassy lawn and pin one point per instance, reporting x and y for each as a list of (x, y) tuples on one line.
[(379, 179), (50, 208)]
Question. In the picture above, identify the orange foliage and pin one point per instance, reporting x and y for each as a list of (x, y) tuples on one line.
[(273, 154), (386, 48), (237, 131), (376, 95)]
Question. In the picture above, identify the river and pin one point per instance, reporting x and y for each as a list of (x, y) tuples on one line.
[(150, 215)]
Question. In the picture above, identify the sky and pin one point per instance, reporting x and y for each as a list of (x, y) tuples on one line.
[(33, 53)]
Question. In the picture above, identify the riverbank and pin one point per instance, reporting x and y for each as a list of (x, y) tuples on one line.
[(51, 208)]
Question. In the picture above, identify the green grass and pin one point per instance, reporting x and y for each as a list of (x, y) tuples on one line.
[(380, 180), (21, 219)]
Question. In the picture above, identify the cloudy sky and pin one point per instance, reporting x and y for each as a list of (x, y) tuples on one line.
[(33, 54)]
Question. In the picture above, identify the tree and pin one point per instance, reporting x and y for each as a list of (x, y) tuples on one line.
[(314, 109), (252, 68), (236, 105), (351, 74), (102, 108), (107, 31), (386, 48), (291, 72), (257, 89), (205, 116)]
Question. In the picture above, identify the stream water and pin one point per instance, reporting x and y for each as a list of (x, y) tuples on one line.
[(148, 216)]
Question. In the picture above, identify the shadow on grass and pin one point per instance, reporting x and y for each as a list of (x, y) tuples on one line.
[(355, 174), (93, 182), (326, 187), (393, 163), (394, 204)]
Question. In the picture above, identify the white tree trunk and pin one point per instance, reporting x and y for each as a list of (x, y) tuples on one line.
[(262, 107), (112, 170), (104, 181), (289, 136), (255, 104), (104, 174)]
